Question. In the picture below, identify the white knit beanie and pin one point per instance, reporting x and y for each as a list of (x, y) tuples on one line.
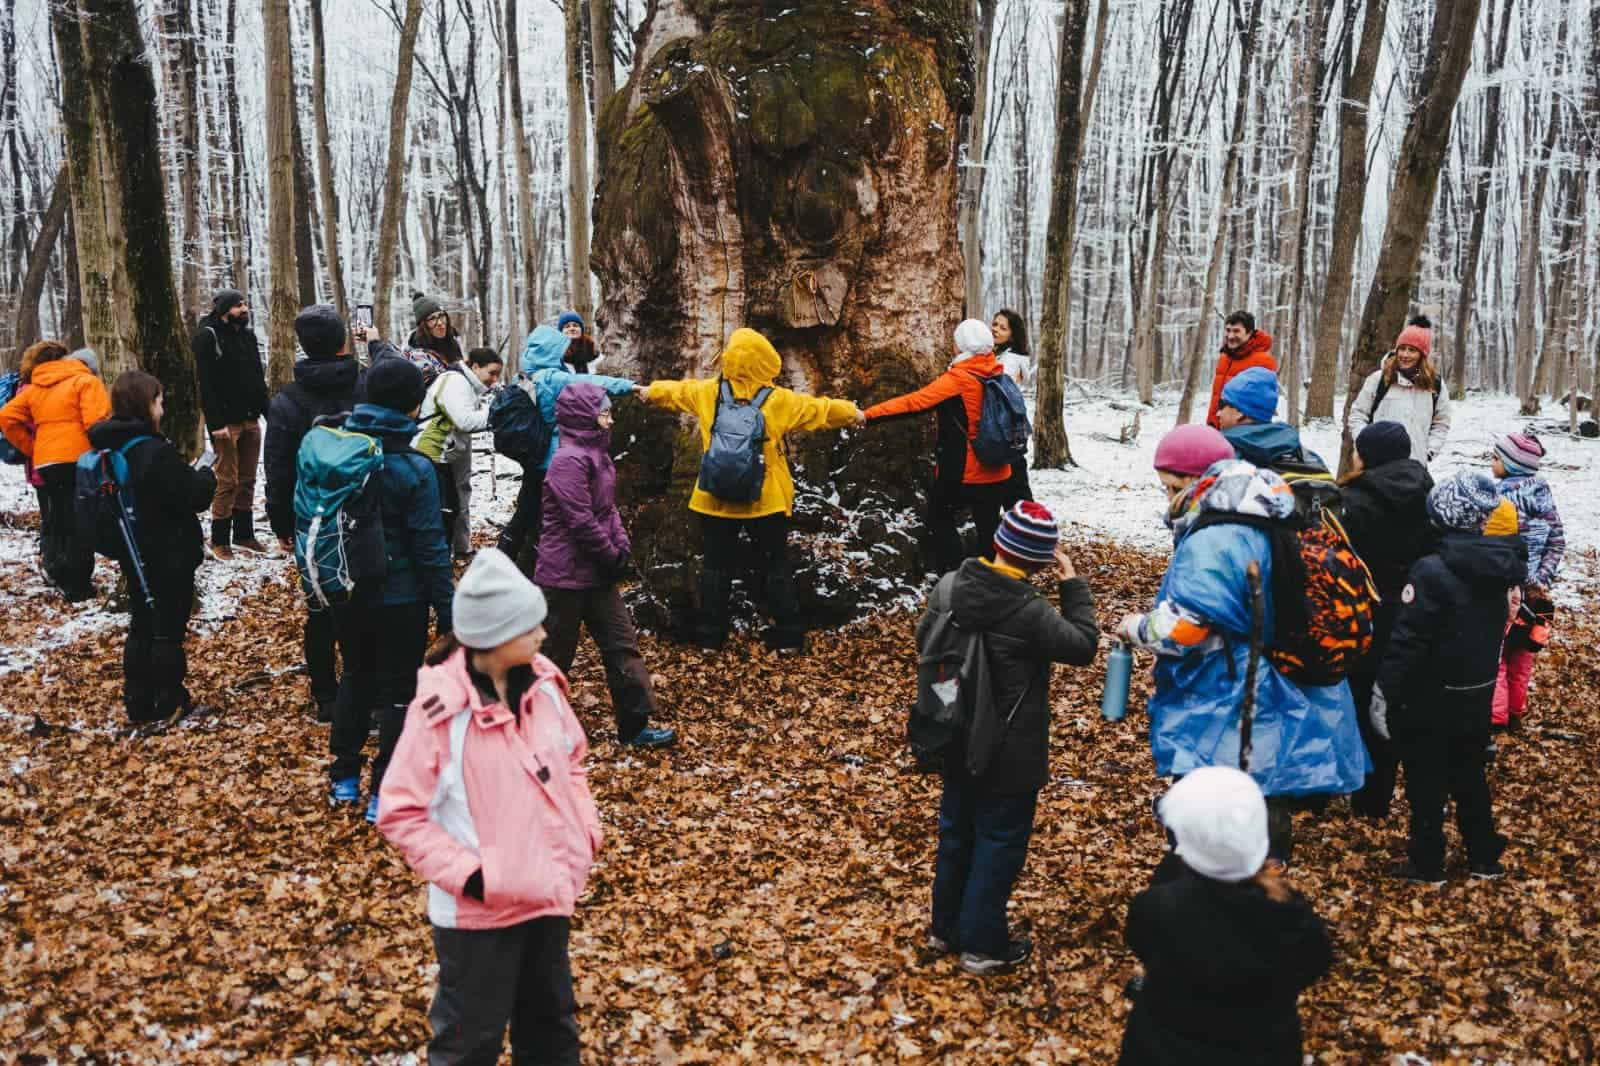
[(974, 338), (494, 602), (1219, 816)]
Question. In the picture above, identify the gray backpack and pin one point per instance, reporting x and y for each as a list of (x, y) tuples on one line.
[(733, 468)]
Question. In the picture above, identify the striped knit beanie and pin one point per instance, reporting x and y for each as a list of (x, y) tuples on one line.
[(1520, 453), (1028, 533)]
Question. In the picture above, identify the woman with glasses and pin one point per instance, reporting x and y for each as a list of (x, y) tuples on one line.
[(434, 332)]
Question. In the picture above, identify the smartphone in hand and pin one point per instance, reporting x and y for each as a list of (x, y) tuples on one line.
[(207, 460)]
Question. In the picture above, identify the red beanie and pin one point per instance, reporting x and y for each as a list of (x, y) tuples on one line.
[(1191, 449), (1416, 337)]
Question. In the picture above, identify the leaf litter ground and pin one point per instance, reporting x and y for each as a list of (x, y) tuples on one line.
[(761, 895)]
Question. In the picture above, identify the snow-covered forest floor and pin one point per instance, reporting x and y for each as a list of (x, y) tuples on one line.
[(761, 895)]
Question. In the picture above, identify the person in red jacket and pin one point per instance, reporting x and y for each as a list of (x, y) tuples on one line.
[(1243, 346), (960, 481)]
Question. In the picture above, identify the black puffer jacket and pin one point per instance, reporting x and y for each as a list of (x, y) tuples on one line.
[(1386, 515), (166, 491), (1224, 967), (1025, 635), (233, 385), (320, 387), (1439, 669)]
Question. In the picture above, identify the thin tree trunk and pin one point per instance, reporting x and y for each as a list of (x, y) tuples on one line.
[(328, 192), (72, 313), (577, 166), (1312, 71), (394, 173), (283, 297), (1422, 152), (1532, 253), (605, 82), (305, 225), (972, 174), (531, 273), (1351, 195), (55, 216), (239, 211), (1559, 306), (183, 72)]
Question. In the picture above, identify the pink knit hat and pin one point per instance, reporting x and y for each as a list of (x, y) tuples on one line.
[(1191, 449), (1416, 337)]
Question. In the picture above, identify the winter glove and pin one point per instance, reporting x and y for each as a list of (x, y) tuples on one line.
[(474, 886), (1378, 713), (623, 569)]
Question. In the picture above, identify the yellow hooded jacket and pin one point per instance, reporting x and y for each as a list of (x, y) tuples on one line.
[(750, 362)]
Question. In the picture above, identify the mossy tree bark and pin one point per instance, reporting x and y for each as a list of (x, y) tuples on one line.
[(794, 173), (113, 141)]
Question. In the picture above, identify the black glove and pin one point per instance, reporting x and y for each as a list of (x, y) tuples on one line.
[(474, 885), (623, 569)]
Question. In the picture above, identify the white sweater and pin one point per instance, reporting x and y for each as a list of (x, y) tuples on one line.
[(1427, 422)]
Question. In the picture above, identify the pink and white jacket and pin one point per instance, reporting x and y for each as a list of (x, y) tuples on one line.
[(472, 786)]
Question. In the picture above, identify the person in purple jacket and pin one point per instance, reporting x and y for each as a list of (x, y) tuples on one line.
[(583, 553)]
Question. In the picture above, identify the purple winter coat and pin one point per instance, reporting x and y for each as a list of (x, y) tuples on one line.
[(583, 543)]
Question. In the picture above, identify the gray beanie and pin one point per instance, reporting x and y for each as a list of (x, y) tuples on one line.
[(494, 602), (87, 357), (423, 307)]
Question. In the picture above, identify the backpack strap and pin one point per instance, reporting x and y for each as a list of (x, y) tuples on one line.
[(1383, 390), (761, 396), (128, 445)]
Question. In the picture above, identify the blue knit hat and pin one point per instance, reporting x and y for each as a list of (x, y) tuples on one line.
[(1253, 393), (569, 316), (1463, 502), (1028, 533)]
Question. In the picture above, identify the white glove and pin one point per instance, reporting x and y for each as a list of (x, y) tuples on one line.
[(1378, 713)]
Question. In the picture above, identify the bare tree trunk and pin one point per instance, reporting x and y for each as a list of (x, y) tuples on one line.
[(329, 194), (1050, 445), (1422, 152), (1311, 72), (1533, 251), (1348, 200), (305, 200), (1559, 305), (972, 174), (282, 298), (1247, 26), (600, 38), (27, 329), (394, 174), (577, 167), (183, 73), (524, 159)]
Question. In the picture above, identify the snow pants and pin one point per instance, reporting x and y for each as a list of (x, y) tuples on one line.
[(488, 978)]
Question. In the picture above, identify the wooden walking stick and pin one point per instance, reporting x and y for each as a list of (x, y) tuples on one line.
[(1247, 706)]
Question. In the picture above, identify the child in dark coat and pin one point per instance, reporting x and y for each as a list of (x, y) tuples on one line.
[(1226, 947)]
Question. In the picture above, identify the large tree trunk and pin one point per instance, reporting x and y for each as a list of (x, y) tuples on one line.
[(27, 329), (1528, 271), (1347, 206), (1422, 152), (971, 202), (395, 172), (282, 299), (825, 220), (329, 194), (531, 275), (1050, 446), (578, 204), (119, 203)]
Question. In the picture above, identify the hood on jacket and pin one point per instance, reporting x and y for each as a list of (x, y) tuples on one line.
[(544, 349), (1264, 443), (379, 421), (750, 359), (1397, 481), (579, 406), (1481, 560), (981, 597), (327, 375), (114, 432), (56, 371)]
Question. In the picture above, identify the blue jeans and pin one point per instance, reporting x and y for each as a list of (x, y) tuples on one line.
[(983, 840)]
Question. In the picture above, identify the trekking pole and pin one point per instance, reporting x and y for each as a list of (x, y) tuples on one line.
[(133, 555), (1247, 706)]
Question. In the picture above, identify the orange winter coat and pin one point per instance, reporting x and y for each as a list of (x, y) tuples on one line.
[(49, 422), (957, 394), (1255, 351)]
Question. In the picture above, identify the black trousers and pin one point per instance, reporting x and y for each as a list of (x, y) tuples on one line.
[(153, 660), (946, 504), (602, 612), (382, 647), (527, 521), (520, 975), (449, 498), (1372, 799), (769, 535), (322, 660), (67, 563), (1442, 766)]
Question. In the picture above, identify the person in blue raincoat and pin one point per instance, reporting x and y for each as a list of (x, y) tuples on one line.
[(1304, 739), (544, 376)]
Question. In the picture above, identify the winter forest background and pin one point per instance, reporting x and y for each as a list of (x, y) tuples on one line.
[(1172, 90)]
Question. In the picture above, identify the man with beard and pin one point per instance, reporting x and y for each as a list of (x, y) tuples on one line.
[(1243, 347), (233, 396)]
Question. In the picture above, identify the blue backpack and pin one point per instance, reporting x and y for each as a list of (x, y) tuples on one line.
[(520, 431), (338, 523), (9, 383), (105, 520), (1003, 426), (734, 468)]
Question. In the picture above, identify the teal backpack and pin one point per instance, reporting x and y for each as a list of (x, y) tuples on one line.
[(338, 524)]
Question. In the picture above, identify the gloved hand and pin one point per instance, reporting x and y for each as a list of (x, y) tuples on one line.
[(623, 569), (1378, 713)]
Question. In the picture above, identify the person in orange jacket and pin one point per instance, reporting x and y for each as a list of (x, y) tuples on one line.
[(960, 481), (48, 422), (1243, 346)]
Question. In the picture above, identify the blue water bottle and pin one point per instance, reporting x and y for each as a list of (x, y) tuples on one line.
[(1119, 669)]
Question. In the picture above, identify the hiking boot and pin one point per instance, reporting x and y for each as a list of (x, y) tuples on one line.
[(325, 710), (937, 944), (345, 792), (1514, 723), (244, 533), (1015, 955), (222, 552), (222, 539), (1486, 871), (652, 738), (1409, 872), (250, 544), (372, 810)]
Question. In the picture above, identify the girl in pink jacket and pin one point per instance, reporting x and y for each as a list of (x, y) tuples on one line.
[(487, 798)]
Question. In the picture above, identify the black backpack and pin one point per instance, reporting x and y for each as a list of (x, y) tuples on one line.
[(520, 431)]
